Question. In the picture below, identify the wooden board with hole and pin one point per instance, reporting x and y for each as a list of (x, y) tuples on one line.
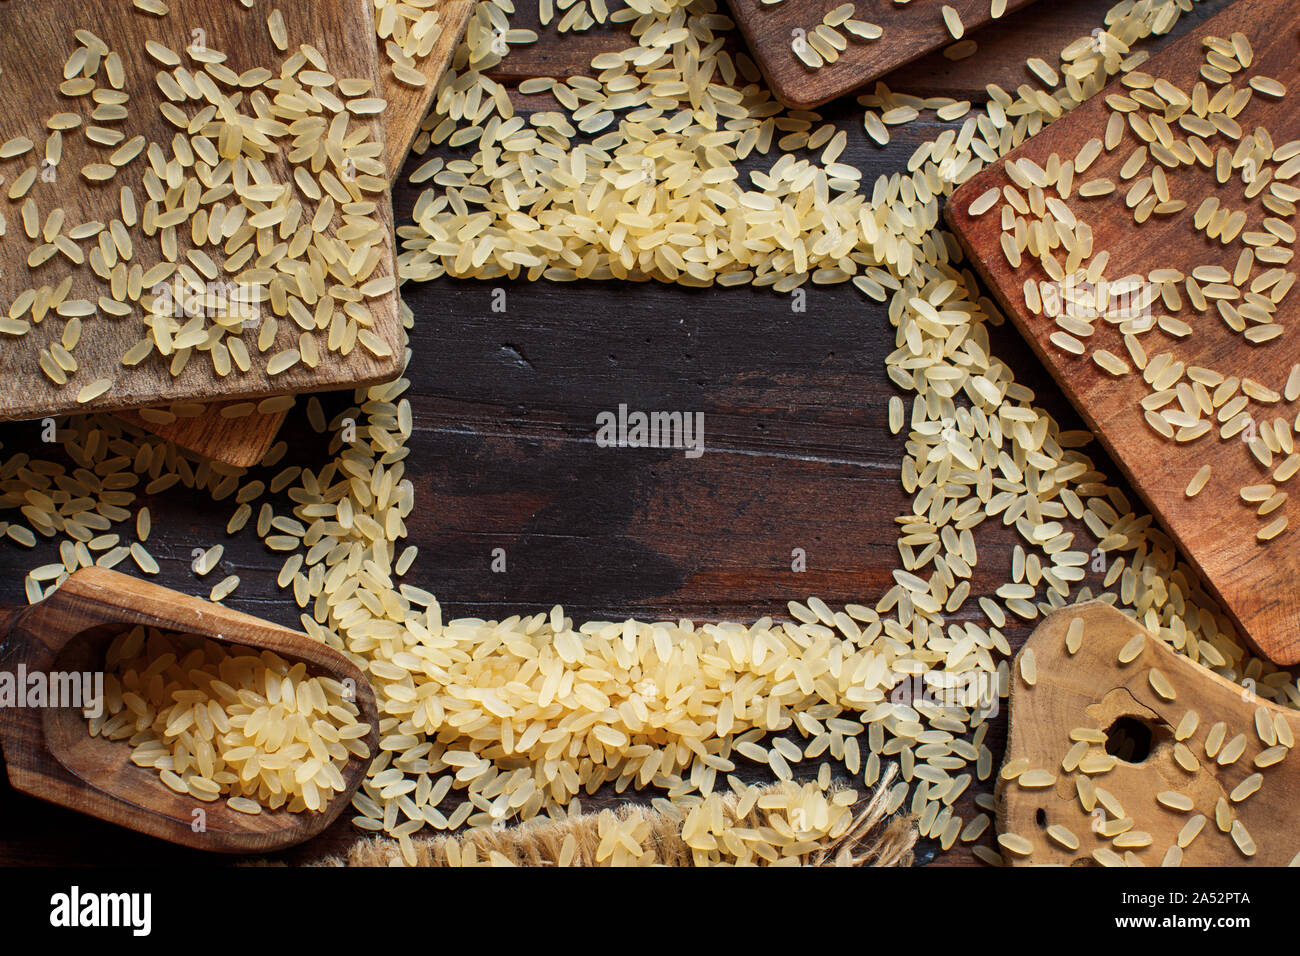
[(34, 47), (1255, 580), (909, 31), (1075, 697)]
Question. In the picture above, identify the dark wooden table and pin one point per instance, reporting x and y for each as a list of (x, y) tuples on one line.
[(798, 452)]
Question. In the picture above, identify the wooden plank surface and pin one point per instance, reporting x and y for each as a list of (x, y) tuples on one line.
[(504, 455), (1217, 529), (36, 40), (910, 31)]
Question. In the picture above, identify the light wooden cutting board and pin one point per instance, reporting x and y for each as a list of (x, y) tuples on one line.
[(1255, 580), (1166, 770), (245, 441), (37, 40), (408, 105)]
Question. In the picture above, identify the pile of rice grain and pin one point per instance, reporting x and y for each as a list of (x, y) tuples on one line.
[(218, 720)]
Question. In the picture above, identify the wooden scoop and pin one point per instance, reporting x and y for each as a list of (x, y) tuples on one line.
[(50, 754), (1093, 689)]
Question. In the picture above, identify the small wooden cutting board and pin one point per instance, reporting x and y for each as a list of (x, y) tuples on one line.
[(1091, 690), (909, 31), (408, 105), (1254, 579), (37, 40), (243, 442)]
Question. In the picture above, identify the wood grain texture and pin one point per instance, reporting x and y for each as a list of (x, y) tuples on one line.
[(1256, 582), (49, 754), (1093, 689), (34, 44), (504, 408), (241, 442), (798, 455), (910, 31), (408, 105)]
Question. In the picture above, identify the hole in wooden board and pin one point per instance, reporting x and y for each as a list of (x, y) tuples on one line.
[(1134, 732), (1131, 739)]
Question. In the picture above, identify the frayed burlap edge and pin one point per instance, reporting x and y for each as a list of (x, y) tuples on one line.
[(874, 839)]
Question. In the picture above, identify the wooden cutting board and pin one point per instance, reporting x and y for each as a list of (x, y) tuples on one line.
[(1217, 529), (1092, 689), (222, 432), (33, 48), (408, 105), (244, 441), (909, 31)]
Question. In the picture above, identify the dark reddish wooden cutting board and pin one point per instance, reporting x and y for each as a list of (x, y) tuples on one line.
[(910, 31), (1256, 582)]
